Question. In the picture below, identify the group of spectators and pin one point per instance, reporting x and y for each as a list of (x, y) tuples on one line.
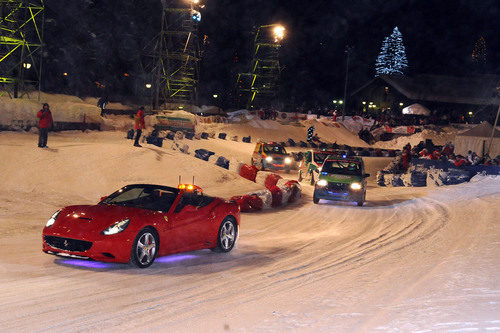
[(446, 153)]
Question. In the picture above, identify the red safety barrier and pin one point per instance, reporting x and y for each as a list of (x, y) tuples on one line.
[(248, 172), (272, 180), (248, 202), (277, 196)]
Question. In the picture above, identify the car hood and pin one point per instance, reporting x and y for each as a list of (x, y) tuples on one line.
[(337, 178), (93, 218)]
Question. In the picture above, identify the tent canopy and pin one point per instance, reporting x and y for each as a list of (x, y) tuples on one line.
[(477, 139), (417, 109), (483, 130)]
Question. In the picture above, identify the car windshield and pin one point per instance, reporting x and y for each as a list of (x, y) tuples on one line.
[(341, 167), (146, 197), (274, 150), (320, 157)]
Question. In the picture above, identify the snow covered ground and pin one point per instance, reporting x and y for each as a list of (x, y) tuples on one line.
[(411, 260)]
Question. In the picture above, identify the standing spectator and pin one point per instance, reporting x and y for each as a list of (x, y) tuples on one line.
[(139, 125), (44, 124), (406, 156), (103, 101)]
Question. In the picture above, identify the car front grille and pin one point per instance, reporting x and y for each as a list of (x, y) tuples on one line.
[(338, 187), (68, 244)]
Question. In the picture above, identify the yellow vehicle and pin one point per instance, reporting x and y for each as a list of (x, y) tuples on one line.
[(271, 156)]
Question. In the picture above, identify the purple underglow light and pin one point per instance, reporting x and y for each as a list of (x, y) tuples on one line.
[(85, 263), (175, 258)]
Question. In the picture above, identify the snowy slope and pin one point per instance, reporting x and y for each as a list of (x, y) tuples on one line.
[(412, 259)]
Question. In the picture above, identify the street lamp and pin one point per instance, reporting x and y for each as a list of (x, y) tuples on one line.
[(215, 95), (279, 33), (27, 65), (148, 85), (400, 104)]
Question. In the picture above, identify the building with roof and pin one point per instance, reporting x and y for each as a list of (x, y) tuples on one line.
[(466, 98)]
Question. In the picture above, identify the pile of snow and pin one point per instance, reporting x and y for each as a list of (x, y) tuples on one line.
[(438, 138), (271, 130), (64, 108)]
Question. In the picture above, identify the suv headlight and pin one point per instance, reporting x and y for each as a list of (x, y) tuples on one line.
[(356, 186), (322, 182), (288, 160), (269, 159), (52, 219), (116, 227)]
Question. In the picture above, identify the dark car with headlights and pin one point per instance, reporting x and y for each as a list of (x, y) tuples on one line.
[(271, 156), (341, 179)]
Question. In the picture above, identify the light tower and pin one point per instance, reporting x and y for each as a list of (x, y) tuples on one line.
[(177, 54), (21, 35), (260, 85)]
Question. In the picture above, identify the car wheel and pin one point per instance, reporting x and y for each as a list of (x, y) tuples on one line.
[(145, 248), (360, 203), (315, 200), (300, 176), (226, 238)]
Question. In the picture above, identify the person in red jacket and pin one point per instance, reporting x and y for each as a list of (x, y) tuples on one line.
[(139, 125), (45, 123)]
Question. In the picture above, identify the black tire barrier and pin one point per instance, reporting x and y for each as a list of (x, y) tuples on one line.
[(247, 139), (154, 141), (170, 135), (323, 145), (222, 136), (291, 142), (203, 154), (222, 162), (303, 144), (130, 134), (313, 145), (283, 144), (189, 136), (204, 135)]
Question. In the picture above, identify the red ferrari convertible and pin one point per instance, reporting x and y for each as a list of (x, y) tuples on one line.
[(140, 222)]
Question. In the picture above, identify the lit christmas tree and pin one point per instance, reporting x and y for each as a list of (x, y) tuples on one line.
[(392, 57)]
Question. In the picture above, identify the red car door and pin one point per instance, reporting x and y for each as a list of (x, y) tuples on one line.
[(189, 224)]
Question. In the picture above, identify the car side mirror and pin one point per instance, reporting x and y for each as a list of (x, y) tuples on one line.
[(366, 175), (104, 197)]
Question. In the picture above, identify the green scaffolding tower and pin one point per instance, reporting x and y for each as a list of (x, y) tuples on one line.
[(259, 87), (21, 35), (177, 54)]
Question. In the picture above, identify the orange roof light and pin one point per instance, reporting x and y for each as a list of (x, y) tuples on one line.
[(190, 188)]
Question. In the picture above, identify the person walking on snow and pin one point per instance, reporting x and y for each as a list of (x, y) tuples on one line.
[(45, 123), (139, 125)]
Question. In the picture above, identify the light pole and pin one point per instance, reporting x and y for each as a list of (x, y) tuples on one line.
[(348, 52)]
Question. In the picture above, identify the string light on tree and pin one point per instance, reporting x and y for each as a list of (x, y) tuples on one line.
[(392, 57)]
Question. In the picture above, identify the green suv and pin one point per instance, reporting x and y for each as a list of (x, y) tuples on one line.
[(341, 179)]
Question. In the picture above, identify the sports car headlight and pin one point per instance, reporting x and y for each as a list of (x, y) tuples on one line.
[(356, 186), (269, 159), (322, 182), (52, 219), (116, 227), (288, 160)]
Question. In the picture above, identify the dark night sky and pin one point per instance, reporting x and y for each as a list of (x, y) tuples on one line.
[(99, 40)]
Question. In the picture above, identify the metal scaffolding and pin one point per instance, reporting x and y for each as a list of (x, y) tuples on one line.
[(177, 54), (259, 86), (21, 35)]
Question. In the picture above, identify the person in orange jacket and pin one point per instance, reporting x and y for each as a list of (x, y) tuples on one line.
[(139, 125), (45, 123)]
